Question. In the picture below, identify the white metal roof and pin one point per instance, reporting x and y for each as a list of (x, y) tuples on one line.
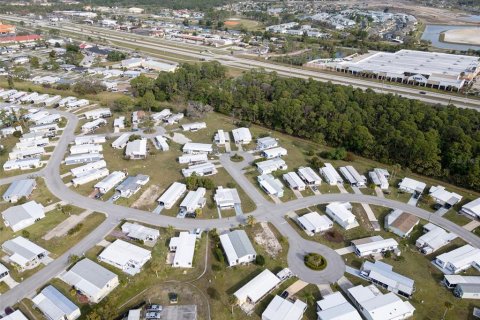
[(352, 175), (461, 257), (271, 165), (79, 171), (137, 231), (136, 148), (440, 194), (90, 176), (226, 196), (194, 126), (23, 250), (185, 249), (411, 184), (193, 198), (473, 207), (341, 210), (19, 188), (283, 309), (374, 243), (199, 169), (259, 286), (86, 148), (122, 253), (242, 135), (17, 315), (331, 174), (121, 141), (270, 184), (293, 180), (190, 158), (309, 175), (335, 307), (173, 193), (236, 245), (435, 237), (383, 273), (18, 215), (197, 147), (274, 152), (110, 181), (314, 221), (55, 305), (454, 279)]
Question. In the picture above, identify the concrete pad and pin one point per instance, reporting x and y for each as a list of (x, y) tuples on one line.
[(296, 287), (379, 192), (104, 243), (53, 206), (61, 229), (275, 199), (325, 289), (297, 194), (346, 250), (344, 283), (341, 188), (472, 225), (441, 212), (10, 282)]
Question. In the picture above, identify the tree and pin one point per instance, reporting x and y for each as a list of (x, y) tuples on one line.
[(67, 209), (213, 293), (21, 73), (260, 260), (10, 82), (147, 102), (156, 266), (73, 258), (115, 56), (251, 221), (88, 86), (34, 62), (141, 84), (122, 104)]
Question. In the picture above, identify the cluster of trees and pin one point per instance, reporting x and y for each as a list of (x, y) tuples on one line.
[(442, 142), (194, 182), (88, 86), (115, 56)]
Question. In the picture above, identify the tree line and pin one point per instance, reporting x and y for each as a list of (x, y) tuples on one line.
[(436, 141)]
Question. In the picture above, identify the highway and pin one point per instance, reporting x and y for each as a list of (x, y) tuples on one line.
[(197, 52)]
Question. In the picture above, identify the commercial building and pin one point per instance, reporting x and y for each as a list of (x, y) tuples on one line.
[(401, 223), (382, 275), (269, 166), (132, 185), (110, 181), (341, 213), (443, 197), (380, 178), (227, 198), (271, 185), (54, 305), (90, 176), (184, 248), (138, 232), (22, 164), (125, 256), (221, 137), (294, 181), (90, 278), (196, 148), (373, 245), (353, 177), (19, 189), (161, 143), (330, 175), (313, 223), (193, 158), (377, 306), (193, 200), (266, 143), (82, 170), (257, 288), (86, 148), (172, 195), (412, 186), (237, 248), (121, 141), (472, 208), (274, 153), (334, 306), (22, 216), (426, 69), (309, 176), (136, 149), (24, 253), (458, 260), (159, 66), (202, 169), (433, 238), (242, 136), (284, 309), (195, 126)]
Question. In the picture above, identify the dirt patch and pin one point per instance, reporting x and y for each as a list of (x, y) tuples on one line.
[(148, 197), (232, 23), (266, 238), (333, 236), (180, 138), (464, 36)]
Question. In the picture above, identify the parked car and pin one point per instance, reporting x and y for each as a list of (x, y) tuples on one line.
[(152, 315), (154, 308)]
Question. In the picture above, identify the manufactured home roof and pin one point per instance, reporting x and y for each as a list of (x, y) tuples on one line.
[(54, 304), (411, 184), (473, 207), (454, 279), (341, 210), (121, 252), (259, 286), (23, 250), (384, 273), (373, 243), (461, 256), (17, 315), (173, 192), (226, 196), (241, 134), (308, 174), (314, 221), (402, 221), (28, 210), (237, 245), (294, 180), (283, 309), (185, 244), (335, 307), (137, 231), (20, 188)]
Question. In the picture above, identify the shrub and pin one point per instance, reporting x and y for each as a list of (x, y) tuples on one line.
[(315, 261), (236, 158), (216, 267), (219, 255), (260, 260), (213, 293), (75, 229)]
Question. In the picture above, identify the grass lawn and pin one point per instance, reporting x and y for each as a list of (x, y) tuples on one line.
[(459, 219)]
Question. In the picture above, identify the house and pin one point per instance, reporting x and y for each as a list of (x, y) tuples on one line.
[(313, 223), (458, 260), (19, 189), (242, 136), (172, 195), (184, 248), (138, 232), (110, 181), (401, 223), (86, 148), (34, 152), (269, 166), (193, 200), (374, 305), (202, 169), (54, 305), (52, 101), (119, 123), (309, 176), (16, 315), (274, 153), (433, 238), (266, 143), (271, 185), (82, 170), (193, 158), (353, 177), (132, 185), (227, 198), (257, 288), (79, 103), (412, 186), (98, 113), (334, 306), (472, 208), (443, 197), (382, 275), (341, 213), (125, 256), (194, 126), (467, 291), (380, 178), (49, 128), (284, 309), (51, 118), (221, 137), (63, 102), (90, 278), (31, 144), (373, 245), (159, 116), (31, 136), (93, 125), (294, 181), (330, 175), (24, 253), (22, 164), (173, 118), (161, 143), (136, 149), (452, 280), (238, 248), (195, 148), (22, 216), (121, 141), (90, 176)]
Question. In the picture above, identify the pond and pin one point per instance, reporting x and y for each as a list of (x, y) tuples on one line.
[(432, 33)]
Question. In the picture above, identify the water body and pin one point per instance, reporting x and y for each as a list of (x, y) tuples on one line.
[(432, 32), (473, 18)]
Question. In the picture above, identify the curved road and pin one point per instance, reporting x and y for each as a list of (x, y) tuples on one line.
[(266, 211)]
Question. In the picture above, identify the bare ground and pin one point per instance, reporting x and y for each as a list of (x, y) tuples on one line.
[(266, 238), (148, 197)]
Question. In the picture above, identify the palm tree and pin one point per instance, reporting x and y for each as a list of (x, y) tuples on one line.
[(251, 220)]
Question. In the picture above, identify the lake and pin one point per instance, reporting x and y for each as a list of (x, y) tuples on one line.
[(432, 33)]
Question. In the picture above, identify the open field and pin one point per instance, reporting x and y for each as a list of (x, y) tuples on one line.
[(463, 36)]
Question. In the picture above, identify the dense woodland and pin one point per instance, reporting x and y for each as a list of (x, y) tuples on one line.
[(442, 142), (171, 4)]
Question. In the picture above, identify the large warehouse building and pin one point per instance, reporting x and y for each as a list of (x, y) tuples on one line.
[(428, 69)]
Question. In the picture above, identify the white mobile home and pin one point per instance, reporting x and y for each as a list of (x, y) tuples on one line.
[(313, 223), (444, 197), (330, 175), (382, 275), (31, 144), (119, 123), (51, 118), (63, 102), (110, 181), (411, 186), (269, 166), (193, 158), (161, 143), (194, 126), (193, 200), (334, 306), (373, 245), (121, 141), (24, 253), (472, 208), (54, 305), (23, 216), (341, 213), (82, 170), (16, 315), (433, 238), (274, 153), (172, 195), (195, 148), (238, 248), (257, 288), (35, 116), (467, 291), (309, 176), (78, 103), (184, 248), (221, 137), (125, 256), (86, 148), (92, 139), (138, 232), (227, 198), (459, 259), (159, 116), (52, 101), (34, 152), (380, 178), (19, 189), (266, 143), (22, 164), (284, 309), (401, 223), (294, 181), (132, 185), (136, 149), (90, 176), (173, 118), (83, 158), (98, 113), (271, 185), (203, 169), (50, 128), (93, 125), (242, 136), (353, 177)]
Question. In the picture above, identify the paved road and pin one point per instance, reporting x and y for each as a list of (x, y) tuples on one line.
[(265, 211)]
